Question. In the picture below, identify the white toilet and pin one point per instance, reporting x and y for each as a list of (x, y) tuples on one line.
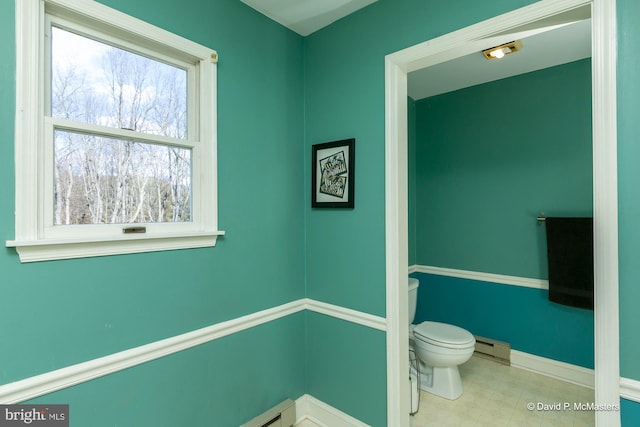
[(441, 348)]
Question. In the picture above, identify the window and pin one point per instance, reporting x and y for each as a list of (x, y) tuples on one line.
[(115, 134)]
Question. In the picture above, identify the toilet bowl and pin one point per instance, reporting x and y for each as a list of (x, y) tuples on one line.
[(440, 348)]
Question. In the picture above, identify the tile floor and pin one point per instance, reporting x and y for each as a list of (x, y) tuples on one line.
[(497, 395)]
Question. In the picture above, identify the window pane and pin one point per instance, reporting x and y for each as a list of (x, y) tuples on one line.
[(96, 83), (101, 180)]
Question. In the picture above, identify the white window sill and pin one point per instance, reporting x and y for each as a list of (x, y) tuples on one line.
[(48, 250)]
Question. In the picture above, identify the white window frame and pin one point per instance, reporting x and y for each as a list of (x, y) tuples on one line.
[(36, 238)]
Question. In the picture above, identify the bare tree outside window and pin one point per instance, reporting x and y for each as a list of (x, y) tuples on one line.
[(106, 180)]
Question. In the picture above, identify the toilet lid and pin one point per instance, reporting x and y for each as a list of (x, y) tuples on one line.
[(443, 334)]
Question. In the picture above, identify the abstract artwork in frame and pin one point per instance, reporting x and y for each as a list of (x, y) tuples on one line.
[(333, 174)]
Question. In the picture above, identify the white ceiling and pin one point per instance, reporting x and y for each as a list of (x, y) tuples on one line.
[(307, 16), (541, 48)]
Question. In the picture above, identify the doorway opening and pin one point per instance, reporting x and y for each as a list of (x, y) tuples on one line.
[(454, 45)]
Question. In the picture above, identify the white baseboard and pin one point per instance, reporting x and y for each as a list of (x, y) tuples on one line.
[(322, 414), (482, 277), (552, 368)]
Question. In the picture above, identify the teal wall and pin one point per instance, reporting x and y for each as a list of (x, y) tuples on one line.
[(345, 98), (523, 317), (54, 314), (491, 157), (344, 71), (628, 178), (222, 383), (277, 249), (629, 413), (629, 198), (344, 367)]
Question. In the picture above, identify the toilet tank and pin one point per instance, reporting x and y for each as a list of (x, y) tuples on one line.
[(413, 298)]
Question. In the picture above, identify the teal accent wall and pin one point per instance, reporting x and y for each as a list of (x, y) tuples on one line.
[(523, 317), (629, 198), (628, 178), (491, 157), (55, 314), (344, 71), (344, 98), (346, 368), (629, 413), (278, 95), (221, 383)]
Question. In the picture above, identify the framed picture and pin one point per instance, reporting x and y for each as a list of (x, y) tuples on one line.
[(333, 174)]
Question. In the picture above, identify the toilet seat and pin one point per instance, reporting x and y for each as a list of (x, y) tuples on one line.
[(443, 335)]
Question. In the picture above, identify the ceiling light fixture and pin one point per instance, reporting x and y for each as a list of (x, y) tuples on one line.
[(498, 53), (501, 51)]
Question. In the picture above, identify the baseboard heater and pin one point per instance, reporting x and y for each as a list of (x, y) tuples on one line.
[(495, 350), (281, 415)]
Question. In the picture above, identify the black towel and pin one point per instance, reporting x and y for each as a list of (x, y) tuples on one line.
[(570, 254)]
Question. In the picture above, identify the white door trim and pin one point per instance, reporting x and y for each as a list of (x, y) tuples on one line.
[(444, 48)]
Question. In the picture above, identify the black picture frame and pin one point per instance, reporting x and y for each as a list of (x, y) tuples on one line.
[(333, 174)]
